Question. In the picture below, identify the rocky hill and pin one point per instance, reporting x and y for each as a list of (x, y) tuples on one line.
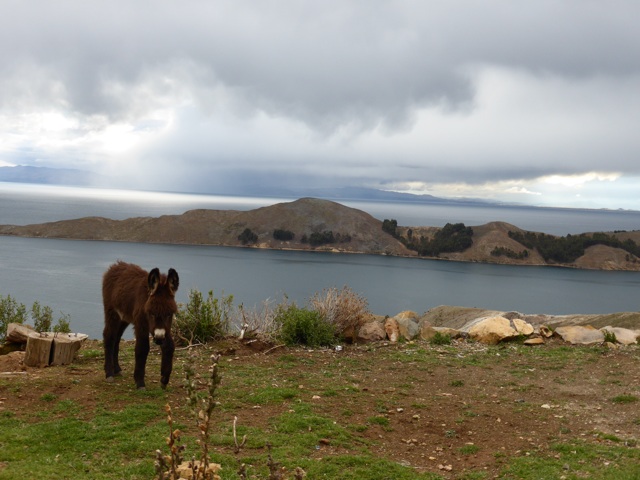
[(354, 230), (315, 224)]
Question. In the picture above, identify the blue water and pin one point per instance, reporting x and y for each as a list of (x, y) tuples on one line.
[(66, 274)]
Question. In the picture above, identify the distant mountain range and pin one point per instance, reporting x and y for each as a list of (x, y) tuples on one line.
[(83, 178)]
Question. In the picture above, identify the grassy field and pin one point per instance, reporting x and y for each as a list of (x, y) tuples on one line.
[(383, 411)]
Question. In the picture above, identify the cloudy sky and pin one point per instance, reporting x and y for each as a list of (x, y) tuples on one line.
[(535, 102)]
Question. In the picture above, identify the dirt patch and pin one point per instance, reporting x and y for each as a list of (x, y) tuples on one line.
[(442, 409), (12, 363)]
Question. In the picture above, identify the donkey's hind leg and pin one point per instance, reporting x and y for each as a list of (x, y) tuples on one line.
[(111, 339)]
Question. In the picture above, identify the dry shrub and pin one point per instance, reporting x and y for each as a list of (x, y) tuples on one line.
[(260, 321), (344, 309)]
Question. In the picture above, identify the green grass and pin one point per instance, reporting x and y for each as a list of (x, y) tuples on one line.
[(577, 460), (117, 435), (624, 399), (99, 448)]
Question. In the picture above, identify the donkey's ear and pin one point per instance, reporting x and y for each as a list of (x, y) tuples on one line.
[(153, 280), (173, 280)]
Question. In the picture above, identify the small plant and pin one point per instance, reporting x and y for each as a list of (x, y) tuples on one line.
[(441, 339), (202, 320), (62, 326), (609, 336), (259, 322), (48, 397), (42, 317), (173, 466), (457, 383), (379, 420), (299, 326), (624, 399), (469, 449)]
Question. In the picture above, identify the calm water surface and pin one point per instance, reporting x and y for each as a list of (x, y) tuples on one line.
[(66, 275)]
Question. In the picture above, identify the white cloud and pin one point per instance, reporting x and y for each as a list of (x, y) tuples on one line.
[(457, 98)]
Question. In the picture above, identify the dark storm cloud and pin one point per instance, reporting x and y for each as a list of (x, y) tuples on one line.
[(326, 63)]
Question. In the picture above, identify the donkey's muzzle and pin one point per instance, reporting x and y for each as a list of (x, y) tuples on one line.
[(158, 336)]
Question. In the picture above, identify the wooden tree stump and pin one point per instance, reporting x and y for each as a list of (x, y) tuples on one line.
[(44, 349), (65, 347), (38, 353), (18, 333)]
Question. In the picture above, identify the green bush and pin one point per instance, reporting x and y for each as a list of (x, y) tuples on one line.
[(11, 311), (62, 326), (42, 317), (203, 319), (299, 326), (441, 339)]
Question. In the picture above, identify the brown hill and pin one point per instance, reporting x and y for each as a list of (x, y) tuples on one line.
[(354, 231), (493, 235), (222, 227)]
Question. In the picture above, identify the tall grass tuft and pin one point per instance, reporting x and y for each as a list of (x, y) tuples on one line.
[(344, 309)]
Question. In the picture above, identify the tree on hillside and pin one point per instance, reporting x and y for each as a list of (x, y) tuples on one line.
[(453, 237), (390, 227), (283, 235), (247, 236)]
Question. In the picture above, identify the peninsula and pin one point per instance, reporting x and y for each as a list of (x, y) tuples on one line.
[(322, 225)]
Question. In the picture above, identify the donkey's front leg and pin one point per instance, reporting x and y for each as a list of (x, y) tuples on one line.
[(167, 348), (142, 351)]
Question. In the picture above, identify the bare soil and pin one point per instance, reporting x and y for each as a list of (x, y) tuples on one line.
[(448, 409)]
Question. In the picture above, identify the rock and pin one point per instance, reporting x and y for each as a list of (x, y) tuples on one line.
[(408, 325), (407, 315), (492, 330), (545, 331), (452, 332), (534, 341), (372, 332), (184, 470), (522, 327), (392, 330), (580, 334), (427, 332), (623, 335)]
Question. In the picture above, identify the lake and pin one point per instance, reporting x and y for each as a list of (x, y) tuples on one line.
[(66, 274)]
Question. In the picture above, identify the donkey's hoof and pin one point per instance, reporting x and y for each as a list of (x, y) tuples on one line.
[(163, 386), (142, 388), (110, 379)]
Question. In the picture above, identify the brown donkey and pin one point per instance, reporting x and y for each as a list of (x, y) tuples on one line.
[(131, 295)]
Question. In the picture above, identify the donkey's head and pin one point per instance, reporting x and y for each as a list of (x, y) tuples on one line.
[(161, 305)]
